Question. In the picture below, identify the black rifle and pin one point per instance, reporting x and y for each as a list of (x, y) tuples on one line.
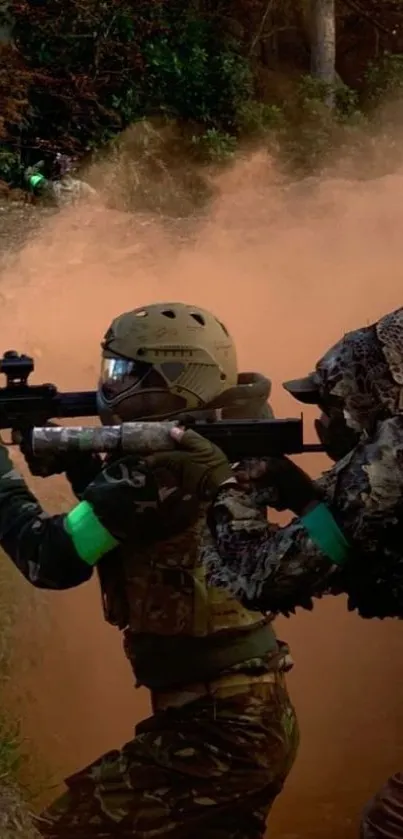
[(23, 406)]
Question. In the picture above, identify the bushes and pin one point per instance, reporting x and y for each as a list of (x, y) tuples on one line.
[(384, 79), (311, 131), (84, 70), (95, 67), (192, 76)]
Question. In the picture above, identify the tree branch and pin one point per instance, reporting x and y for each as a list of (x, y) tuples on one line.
[(367, 16), (255, 40)]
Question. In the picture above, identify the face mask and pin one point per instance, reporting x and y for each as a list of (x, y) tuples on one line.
[(335, 435)]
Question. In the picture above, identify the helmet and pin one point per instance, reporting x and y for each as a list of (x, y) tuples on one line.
[(164, 360)]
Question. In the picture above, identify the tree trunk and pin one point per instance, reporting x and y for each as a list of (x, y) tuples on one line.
[(323, 46)]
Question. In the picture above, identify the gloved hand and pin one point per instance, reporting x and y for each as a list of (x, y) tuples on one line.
[(199, 466), (134, 502), (335, 435), (278, 483), (42, 466), (80, 467)]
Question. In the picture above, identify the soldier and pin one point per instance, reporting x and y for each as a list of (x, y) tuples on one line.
[(363, 375), (353, 544), (63, 188), (223, 734), (38, 185), (347, 534)]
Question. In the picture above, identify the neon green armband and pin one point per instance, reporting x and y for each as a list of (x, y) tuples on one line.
[(326, 534), (35, 180), (90, 538)]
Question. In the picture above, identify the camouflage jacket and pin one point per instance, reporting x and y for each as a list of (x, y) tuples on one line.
[(36, 542), (277, 569)]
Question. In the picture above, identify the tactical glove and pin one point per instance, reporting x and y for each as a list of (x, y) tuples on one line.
[(41, 466), (278, 483), (80, 468), (198, 466), (335, 435), (134, 502)]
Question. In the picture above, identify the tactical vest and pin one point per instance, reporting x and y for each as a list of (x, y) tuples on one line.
[(177, 628)]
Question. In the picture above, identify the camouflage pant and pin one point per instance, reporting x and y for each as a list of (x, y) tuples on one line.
[(383, 816), (210, 769)]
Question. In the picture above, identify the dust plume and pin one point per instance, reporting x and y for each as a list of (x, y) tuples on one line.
[(288, 271)]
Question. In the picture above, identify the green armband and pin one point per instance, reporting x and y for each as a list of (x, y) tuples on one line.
[(35, 180), (326, 534), (90, 538)]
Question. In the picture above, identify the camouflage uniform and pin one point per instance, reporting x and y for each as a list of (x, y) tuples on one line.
[(268, 567), (37, 184), (358, 383), (274, 568), (223, 734), (63, 190), (222, 738), (211, 768), (383, 816), (217, 750), (69, 190)]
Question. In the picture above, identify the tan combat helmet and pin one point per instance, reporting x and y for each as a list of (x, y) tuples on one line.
[(173, 346)]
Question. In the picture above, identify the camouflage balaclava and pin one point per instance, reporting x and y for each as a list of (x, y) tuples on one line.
[(360, 377)]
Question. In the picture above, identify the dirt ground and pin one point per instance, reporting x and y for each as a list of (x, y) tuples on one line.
[(288, 274)]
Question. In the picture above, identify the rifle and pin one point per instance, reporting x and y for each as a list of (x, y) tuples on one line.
[(23, 406), (237, 438)]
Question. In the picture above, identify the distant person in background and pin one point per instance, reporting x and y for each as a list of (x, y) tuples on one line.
[(62, 188), (68, 188), (37, 184), (62, 166)]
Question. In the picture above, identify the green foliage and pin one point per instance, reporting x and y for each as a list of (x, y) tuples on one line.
[(14, 760), (214, 146), (150, 168), (85, 71), (11, 757), (258, 118), (312, 129), (10, 165), (384, 78), (98, 67), (193, 77)]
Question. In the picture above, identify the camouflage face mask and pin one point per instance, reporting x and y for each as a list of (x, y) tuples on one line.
[(361, 375)]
